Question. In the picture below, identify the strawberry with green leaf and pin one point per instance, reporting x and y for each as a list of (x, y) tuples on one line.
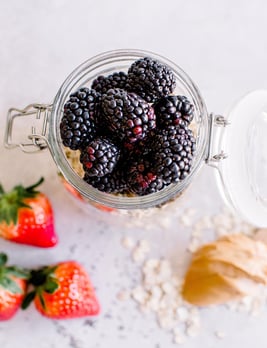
[(26, 216), (62, 291), (13, 283)]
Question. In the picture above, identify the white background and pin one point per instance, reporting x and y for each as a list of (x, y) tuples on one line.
[(222, 45)]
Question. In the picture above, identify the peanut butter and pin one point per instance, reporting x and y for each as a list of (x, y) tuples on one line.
[(225, 270)]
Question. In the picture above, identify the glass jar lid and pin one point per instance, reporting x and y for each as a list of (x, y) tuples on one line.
[(242, 175)]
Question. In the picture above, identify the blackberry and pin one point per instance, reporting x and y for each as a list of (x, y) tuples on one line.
[(173, 150), (99, 157), (127, 116), (173, 111), (140, 177), (139, 148), (111, 183), (77, 127), (102, 84), (150, 79)]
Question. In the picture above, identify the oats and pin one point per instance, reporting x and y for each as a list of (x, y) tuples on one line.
[(168, 288), (256, 306), (138, 255), (123, 295), (143, 308), (153, 304), (192, 331), (152, 263), (139, 294), (186, 221), (156, 292), (194, 321), (167, 323), (150, 281), (197, 233), (177, 331), (193, 245), (179, 339), (190, 212), (220, 334), (182, 314), (127, 242)]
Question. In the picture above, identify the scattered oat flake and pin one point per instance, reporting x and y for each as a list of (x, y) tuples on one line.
[(182, 313), (123, 295), (220, 334), (193, 245), (192, 330), (178, 339), (127, 242), (139, 294), (197, 233), (186, 221), (138, 255), (168, 287)]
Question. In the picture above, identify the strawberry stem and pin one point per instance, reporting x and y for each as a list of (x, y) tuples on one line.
[(42, 280), (32, 187), (3, 259), (1, 190), (38, 278), (28, 299)]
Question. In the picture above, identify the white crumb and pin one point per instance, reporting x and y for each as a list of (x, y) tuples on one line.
[(123, 295), (220, 334), (127, 242)]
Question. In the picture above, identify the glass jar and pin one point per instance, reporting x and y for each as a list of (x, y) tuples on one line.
[(215, 146)]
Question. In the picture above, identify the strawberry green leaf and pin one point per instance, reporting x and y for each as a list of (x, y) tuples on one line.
[(50, 286), (42, 300), (10, 285), (3, 259), (12, 201), (28, 299), (17, 272), (1, 190), (50, 270), (9, 207)]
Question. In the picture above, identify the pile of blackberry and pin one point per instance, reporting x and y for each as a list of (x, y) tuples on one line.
[(131, 130)]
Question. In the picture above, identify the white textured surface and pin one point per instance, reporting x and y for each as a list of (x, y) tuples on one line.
[(222, 46)]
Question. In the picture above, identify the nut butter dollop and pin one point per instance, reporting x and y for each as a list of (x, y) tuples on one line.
[(225, 270)]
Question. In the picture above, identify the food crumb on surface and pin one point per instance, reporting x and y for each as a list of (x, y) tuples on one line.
[(123, 295), (127, 242), (220, 334), (179, 339)]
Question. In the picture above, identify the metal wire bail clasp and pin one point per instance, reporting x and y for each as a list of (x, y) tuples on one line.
[(220, 122), (36, 140)]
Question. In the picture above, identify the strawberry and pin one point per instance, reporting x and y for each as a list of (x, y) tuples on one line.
[(26, 216), (13, 285), (62, 291)]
